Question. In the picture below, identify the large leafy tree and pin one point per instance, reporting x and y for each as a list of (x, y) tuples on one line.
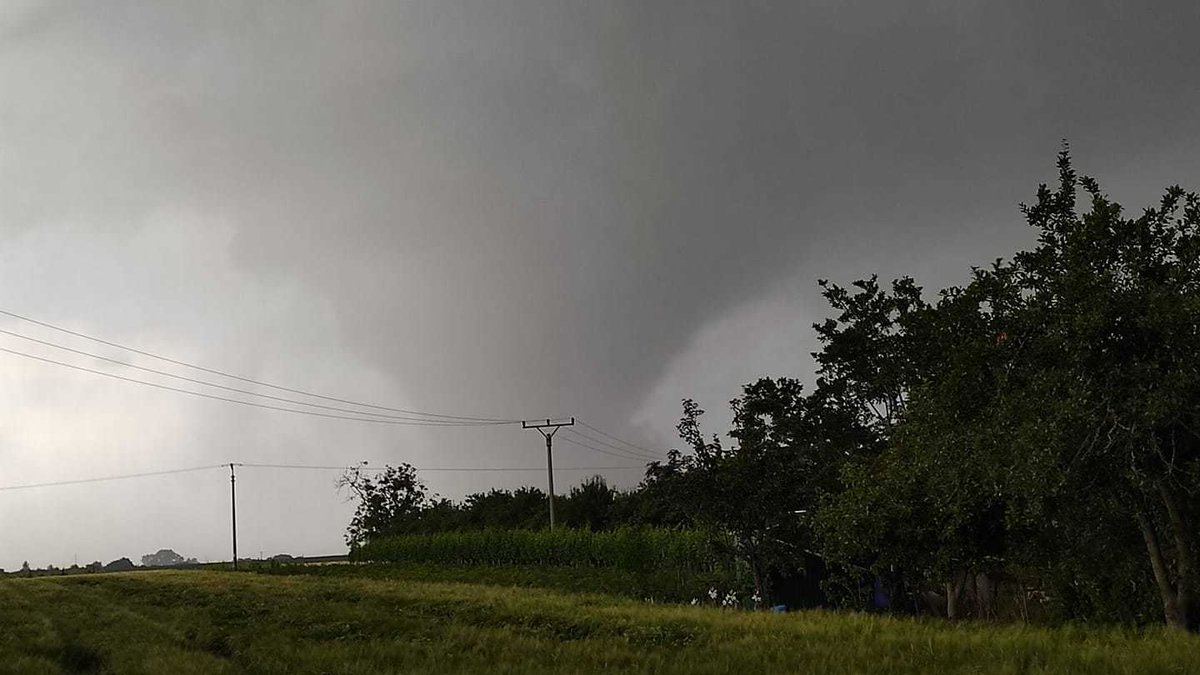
[(1113, 307), (954, 496), (1023, 418), (1050, 394)]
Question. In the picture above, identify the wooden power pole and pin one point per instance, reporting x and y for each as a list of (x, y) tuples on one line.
[(233, 510), (549, 435)]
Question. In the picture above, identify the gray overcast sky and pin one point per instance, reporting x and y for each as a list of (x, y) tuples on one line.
[(498, 208)]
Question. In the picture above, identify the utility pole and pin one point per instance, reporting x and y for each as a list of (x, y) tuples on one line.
[(233, 510), (554, 427)]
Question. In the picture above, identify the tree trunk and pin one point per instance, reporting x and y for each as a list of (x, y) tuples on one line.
[(1183, 557), (985, 593), (954, 589), (759, 585), (1173, 612)]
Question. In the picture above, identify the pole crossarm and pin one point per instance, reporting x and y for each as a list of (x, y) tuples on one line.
[(548, 423), (553, 426)]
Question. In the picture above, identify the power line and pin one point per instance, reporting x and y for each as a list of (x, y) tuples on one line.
[(611, 453), (316, 467), (615, 447), (218, 386), (429, 423), (620, 440), (423, 418), (448, 468), (313, 467), (222, 373), (615, 451), (600, 450), (110, 478)]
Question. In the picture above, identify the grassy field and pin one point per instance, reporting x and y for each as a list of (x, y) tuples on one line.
[(660, 587), (222, 622)]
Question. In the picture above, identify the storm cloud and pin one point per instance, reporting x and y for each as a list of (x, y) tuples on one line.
[(510, 209)]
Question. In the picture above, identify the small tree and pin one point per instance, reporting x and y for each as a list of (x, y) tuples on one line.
[(589, 505), (388, 503), (164, 558), (763, 489), (523, 508)]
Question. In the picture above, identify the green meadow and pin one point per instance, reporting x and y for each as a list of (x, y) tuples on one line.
[(359, 620)]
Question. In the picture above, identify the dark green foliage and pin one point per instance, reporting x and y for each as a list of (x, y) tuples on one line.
[(872, 354), (388, 503), (1049, 417), (664, 498), (763, 490), (396, 502), (635, 550), (590, 505), (672, 565), (524, 507)]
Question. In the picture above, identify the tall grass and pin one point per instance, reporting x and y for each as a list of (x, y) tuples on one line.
[(184, 622), (632, 550), (669, 565)]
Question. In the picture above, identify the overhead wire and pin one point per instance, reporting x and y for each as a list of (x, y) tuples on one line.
[(601, 450), (214, 371), (206, 383), (111, 478), (448, 468), (614, 447), (620, 440), (208, 467), (420, 417), (627, 450), (429, 423)]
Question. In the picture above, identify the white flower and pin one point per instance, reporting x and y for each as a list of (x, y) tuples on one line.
[(695, 602), (712, 594), (756, 598)]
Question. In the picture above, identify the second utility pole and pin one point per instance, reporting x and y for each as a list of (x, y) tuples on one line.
[(233, 511), (554, 427)]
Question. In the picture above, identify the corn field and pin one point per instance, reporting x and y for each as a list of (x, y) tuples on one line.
[(632, 550)]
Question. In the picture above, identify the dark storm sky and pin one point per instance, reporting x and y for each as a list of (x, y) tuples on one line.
[(499, 208)]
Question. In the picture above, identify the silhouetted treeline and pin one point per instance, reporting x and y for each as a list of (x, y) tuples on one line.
[(402, 505)]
